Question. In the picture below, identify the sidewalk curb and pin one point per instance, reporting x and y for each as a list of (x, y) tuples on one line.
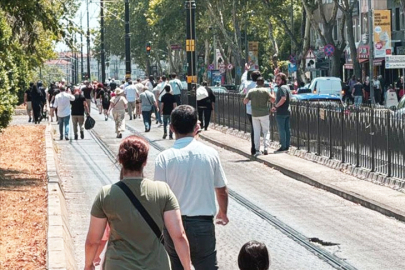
[(60, 251), (351, 196)]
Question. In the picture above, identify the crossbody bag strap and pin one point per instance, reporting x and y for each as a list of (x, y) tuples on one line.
[(149, 100), (152, 224)]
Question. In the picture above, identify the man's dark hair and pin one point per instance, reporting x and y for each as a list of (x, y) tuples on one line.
[(184, 119), (254, 255), (173, 75), (255, 74), (168, 88), (283, 77), (129, 82), (204, 83), (164, 77)]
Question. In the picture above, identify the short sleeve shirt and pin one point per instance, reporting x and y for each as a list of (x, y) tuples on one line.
[(28, 92), (119, 102), (132, 244), (283, 91), (168, 101), (259, 98), (147, 99), (358, 89), (87, 92)]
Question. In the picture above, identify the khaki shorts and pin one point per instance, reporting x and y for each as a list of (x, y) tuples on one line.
[(29, 106)]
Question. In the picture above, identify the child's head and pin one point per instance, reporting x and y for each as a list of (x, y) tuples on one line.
[(254, 256)]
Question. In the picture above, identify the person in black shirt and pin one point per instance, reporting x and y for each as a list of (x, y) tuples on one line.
[(79, 106), (206, 106), (105, 97), (37, 99), (27, 102), (168, 103), (358, 93), (87, 92)]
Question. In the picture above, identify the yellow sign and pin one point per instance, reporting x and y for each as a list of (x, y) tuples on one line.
[(253, 55), (190, 45), (191, 79), (382, 33)]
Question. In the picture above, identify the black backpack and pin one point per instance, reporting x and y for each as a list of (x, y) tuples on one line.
[(106, 96)]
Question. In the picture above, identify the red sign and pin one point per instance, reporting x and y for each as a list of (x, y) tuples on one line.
[(363, 52)]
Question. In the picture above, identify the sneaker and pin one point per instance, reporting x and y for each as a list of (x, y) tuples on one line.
[(134, 116), (76, 137), (119, 136), (81, 134), (157, 122), (106, 118), (171, 137), (130, 118), (61, 137), (257, 154), (164, 136), (29, 120), (265, 152), (66, 137), (281, 150)]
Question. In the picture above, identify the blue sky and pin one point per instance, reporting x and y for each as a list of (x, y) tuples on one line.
[(94, 13)]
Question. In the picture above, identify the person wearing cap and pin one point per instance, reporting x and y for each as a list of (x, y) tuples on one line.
[(260, 99), (118, 104)]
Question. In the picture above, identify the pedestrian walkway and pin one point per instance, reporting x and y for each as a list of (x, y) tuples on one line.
[(371, 195)]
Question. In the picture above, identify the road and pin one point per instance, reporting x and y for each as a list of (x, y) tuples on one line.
[(362, 238)]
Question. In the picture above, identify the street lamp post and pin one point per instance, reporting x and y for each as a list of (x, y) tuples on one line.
[(191, 57), (102, 56), (127, 42), (371, 50), (88, 41)]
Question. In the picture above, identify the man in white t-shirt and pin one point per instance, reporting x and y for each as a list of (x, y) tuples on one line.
[(62, 103), (131, 94), (195, 175), (176, 87)]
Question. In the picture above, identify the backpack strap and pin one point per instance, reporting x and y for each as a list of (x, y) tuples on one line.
[(152, 224)]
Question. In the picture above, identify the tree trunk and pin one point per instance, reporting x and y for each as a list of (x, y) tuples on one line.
[(305, 47)]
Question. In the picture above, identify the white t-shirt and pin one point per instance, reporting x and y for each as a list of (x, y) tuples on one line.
[(246, 86), (131, 93), (193, 171), (62, 102)]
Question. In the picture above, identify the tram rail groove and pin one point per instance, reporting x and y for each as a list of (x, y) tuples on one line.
[(297, 237)]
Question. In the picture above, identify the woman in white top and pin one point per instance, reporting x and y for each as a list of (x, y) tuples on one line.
[(118, 104)]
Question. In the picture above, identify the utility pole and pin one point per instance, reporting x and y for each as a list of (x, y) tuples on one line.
[(102, 41), (191, 57), (292, 24), (371, 50), (72, 59), (127, 42), (81, 47), (88, 41)]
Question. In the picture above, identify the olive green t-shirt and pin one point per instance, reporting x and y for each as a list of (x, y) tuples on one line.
[(132, 243), (260, 101)]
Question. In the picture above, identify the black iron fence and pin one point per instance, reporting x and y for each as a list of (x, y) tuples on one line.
[(365, 137)]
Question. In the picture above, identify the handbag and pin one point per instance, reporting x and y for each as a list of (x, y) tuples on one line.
[(152, 224), (90, 122), (153, 108)]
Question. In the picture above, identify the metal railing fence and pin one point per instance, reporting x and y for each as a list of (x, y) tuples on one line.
[(365, 137)]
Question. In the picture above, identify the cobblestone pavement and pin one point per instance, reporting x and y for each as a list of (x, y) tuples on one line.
[(364, 238)]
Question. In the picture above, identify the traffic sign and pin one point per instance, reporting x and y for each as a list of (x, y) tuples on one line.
[(310, 55), (329, 49), (293, 60), (310, 64), (230, 66), (395, 61), (211, 67)]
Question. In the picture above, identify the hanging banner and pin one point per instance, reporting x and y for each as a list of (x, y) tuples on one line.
[(253, 55), (382, 33)]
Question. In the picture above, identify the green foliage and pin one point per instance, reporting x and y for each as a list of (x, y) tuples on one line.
[(28, 31)]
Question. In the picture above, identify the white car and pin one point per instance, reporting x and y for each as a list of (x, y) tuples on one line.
[(327, 85)]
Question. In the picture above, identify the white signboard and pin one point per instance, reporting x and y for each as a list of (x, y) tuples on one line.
[(310, 64), (392, 99), (395, 61)]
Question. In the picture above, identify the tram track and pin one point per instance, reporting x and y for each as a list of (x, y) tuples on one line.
[(307, 243)]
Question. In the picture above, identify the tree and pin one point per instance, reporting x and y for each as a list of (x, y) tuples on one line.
[(325, 31), (347, 7), (28, 31)]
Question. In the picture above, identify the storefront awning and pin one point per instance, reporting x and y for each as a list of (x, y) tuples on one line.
[(376, 62)]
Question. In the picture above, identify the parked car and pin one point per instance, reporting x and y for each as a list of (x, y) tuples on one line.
[(230, 87), (219, 90), (327, 85), (323, 99), (400, 110)]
